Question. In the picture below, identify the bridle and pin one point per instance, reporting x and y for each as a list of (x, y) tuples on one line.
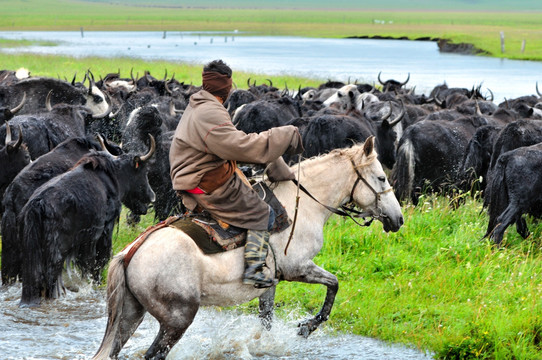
[(344, 210), (350, 212)]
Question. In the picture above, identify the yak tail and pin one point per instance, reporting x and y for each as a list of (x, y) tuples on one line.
[(116, 291), (31, 236), (403, 174), (497, 197), (11, 252)]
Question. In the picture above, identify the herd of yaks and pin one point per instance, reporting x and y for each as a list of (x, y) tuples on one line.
[(63, 140)]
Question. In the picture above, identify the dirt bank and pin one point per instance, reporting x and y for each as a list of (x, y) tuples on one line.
[(444, 45)]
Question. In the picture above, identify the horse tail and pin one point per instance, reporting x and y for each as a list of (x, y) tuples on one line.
[(31, 235), (403, 174), (116, 291), (497, 199)]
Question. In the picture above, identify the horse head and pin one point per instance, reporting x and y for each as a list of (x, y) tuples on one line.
[(372, 191)]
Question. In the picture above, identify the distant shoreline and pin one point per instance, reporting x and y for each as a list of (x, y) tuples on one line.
[(444, 45)]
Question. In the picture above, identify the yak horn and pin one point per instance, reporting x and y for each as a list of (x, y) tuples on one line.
[(538, 91), (167, 87), (386, 117), (478, 111), (408, 78), (19, 139), (20, 106), (491, 92), (400, 116), (48, 101), (8, 134), (380, 80), (151, 150), (102, 142)]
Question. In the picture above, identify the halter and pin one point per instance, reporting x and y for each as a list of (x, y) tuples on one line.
[(377, 199), (345, 210)]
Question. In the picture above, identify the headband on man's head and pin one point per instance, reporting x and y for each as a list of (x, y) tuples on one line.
[(217, 84)]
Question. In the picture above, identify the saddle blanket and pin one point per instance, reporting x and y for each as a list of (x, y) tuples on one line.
[(214, 236)]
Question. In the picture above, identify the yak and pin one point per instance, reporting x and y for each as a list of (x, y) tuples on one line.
[(429, 155), (59, 160), (148, 120), (515, 189), (72, 216)]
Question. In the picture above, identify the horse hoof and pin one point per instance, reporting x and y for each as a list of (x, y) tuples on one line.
[(303, 331)]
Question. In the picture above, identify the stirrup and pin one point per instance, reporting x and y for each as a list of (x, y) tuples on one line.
[(259, 280), (261, 284)]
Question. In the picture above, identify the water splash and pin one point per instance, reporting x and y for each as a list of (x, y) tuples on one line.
[(72, 328)]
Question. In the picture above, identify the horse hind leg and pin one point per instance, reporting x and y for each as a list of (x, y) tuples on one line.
[(173, 324), (132, 316), (125, 312)]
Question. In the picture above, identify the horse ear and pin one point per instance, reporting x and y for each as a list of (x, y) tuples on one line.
[(369, 145)]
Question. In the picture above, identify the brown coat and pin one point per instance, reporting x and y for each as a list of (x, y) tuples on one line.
[(205, 139)]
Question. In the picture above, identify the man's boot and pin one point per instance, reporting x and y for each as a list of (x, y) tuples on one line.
[(255, 254)]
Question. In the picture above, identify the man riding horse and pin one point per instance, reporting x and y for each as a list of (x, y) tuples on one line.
[(203, 157)]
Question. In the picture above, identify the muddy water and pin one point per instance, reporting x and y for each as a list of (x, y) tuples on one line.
[(72, 328)]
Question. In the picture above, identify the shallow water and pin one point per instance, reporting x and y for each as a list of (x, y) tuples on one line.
[(72, 328), (336, 59)]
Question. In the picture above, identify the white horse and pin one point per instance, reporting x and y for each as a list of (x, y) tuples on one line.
[(170, 277)]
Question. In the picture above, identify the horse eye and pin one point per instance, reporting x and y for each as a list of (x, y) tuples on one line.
[(382, 178)]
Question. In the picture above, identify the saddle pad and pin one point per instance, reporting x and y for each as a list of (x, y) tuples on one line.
[(209, 235)]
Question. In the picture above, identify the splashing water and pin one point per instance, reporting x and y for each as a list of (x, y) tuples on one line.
[(72, 328)]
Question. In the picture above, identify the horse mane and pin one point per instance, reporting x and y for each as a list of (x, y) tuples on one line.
[(350, 152), (97, 160)]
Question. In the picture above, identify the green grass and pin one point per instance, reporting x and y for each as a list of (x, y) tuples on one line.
[(65, 67), (482, 29)]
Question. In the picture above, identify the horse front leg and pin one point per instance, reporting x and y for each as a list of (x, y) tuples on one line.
[(267, 302), (316, 275)]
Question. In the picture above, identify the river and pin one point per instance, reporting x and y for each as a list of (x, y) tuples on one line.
[(336, 59)]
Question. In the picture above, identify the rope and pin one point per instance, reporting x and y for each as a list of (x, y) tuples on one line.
[(296, 207)]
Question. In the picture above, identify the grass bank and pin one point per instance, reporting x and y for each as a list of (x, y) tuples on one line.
[(65, 67), (433, 285), (482, 29)]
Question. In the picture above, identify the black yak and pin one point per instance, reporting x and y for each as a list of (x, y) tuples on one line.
[(72, 217)]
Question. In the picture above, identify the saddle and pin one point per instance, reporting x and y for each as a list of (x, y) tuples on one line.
[(211, 235)]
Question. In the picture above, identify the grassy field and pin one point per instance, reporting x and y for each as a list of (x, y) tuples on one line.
[(482, 29)]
